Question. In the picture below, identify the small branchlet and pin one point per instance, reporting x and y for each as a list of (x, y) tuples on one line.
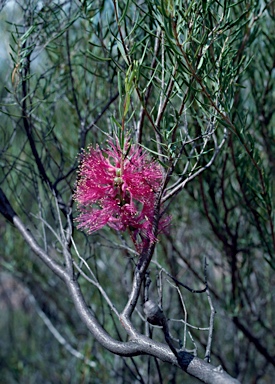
[(155, 316)]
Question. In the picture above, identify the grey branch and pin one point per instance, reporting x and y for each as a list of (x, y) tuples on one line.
[(210, 374), (138, 343)]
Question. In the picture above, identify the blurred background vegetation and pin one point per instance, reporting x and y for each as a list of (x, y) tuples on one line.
[(198, 81)]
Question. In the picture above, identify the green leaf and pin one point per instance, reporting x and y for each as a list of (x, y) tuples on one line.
[(98, 58)]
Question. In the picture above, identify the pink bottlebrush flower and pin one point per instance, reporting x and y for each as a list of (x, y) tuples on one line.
[(117, 187)]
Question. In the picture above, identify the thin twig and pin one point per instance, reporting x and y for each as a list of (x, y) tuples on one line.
[(57, 334), (191, 176), (211, 320)]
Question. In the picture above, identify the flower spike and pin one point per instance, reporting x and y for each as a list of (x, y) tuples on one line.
[(118, 187)]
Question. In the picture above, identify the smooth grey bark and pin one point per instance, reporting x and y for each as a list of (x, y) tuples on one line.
[(138, 343)]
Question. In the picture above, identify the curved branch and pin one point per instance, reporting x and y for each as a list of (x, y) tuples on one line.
[(30, 240), (138, 344), (142, 345)]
